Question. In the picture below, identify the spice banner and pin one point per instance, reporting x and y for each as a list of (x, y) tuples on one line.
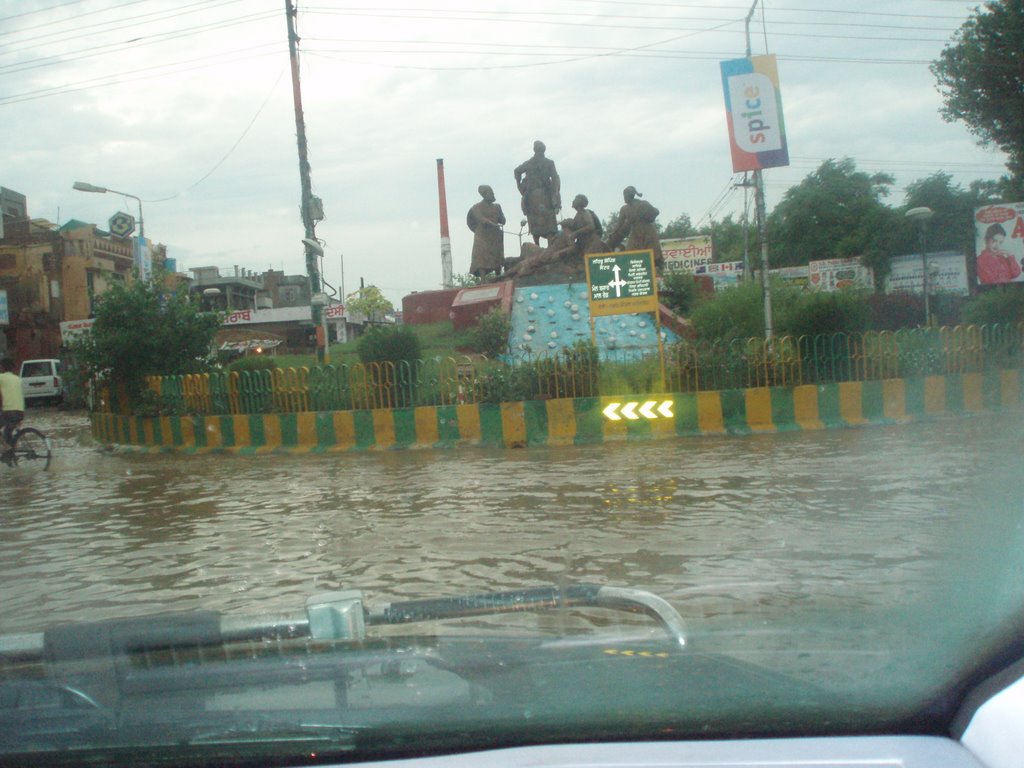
[(753, 106)]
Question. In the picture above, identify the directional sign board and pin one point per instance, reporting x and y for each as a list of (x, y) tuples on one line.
[(621, 283)]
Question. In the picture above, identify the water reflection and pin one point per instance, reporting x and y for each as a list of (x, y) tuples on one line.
[(716, 525)]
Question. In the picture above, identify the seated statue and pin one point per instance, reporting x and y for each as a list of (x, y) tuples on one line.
[(561, 247)]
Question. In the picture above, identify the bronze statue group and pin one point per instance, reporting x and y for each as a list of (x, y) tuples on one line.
[(567, 240)]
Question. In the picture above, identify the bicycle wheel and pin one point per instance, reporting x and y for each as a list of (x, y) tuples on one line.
[(31, 449)]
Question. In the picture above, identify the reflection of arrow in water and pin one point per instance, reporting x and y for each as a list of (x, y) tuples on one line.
[(618, 284)]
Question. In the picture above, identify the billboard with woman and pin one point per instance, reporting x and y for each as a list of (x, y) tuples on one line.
[(999, 234)]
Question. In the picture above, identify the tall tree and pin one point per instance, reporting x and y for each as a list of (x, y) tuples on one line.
[(952, 227), (835, 212), (727, 235), (980, 75)]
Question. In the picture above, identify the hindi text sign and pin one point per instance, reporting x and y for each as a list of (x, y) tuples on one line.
[(621, 283)]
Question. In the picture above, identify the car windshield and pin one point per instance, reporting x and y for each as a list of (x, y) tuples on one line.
[(706, 425), (37, 368)]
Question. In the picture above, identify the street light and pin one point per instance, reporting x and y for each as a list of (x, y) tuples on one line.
[(82, 186), (922, 215)]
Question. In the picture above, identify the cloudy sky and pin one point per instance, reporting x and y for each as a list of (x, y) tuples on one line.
[(188, 105)]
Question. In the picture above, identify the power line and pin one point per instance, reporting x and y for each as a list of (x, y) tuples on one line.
[(230, 151), (106, 81), (68, 19), (157, 37)]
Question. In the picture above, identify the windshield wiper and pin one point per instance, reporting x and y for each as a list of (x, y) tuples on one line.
[(537, 598), (329, 616)]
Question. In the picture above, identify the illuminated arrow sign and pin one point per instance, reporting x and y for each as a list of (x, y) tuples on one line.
[(650, 410)]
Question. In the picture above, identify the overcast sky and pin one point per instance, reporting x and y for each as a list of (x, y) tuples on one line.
[(188, 105)]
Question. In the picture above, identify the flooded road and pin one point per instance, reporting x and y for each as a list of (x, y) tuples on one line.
[(717, 526)]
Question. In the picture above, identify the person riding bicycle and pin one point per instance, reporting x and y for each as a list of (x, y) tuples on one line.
[(12, 403)]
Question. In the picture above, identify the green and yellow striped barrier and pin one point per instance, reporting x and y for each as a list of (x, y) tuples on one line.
[(575, 421)]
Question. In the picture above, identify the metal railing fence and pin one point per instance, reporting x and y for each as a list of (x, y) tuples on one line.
[(690, 366)]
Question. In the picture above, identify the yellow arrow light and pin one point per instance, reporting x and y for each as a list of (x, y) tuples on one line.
[(650, 410)]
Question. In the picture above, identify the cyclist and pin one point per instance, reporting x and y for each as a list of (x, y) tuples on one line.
[(12, 402)]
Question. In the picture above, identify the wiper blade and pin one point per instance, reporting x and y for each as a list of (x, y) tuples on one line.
[(257, 731), (331, 616), (520, 600)]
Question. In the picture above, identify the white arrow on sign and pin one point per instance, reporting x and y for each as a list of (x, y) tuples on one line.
[(649, 410), (618, 284)]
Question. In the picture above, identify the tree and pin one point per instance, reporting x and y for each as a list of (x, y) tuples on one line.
[(681, 226), (369, 302), (951, 228), (980, 76), (835, 212), (727, 235), (142, 329)]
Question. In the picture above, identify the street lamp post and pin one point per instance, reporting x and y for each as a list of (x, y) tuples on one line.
[(82, 186), (139, 250), (922, 216)]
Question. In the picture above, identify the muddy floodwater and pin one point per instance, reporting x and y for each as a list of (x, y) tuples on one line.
[(752, 525)]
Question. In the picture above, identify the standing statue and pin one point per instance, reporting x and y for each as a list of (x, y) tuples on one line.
[(588, 227), (636, 219), (540, 187), (486, 219)]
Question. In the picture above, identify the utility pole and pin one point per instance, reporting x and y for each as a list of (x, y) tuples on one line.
[(308, 201), (762, 224)]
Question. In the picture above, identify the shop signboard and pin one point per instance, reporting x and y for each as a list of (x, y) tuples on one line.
[(837, 274), (686, 254), (947, 273)]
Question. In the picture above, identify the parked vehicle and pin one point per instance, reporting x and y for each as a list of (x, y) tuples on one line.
[(41, 380)]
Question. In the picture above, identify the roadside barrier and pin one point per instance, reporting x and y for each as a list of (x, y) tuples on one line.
[(569, 420)]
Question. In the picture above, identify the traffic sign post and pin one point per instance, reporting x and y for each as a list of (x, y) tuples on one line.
[(622, 283)]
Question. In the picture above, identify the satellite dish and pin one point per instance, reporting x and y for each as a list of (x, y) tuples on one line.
[(314, 246)]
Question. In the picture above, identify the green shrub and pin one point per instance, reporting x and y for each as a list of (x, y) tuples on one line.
[(733, 313), (490, 335), (389, 345), (1004, 304), (813, 313), (679, 292), (892, 311), (253, 363)]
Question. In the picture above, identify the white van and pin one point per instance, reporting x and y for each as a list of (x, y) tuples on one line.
[(41, 380)]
